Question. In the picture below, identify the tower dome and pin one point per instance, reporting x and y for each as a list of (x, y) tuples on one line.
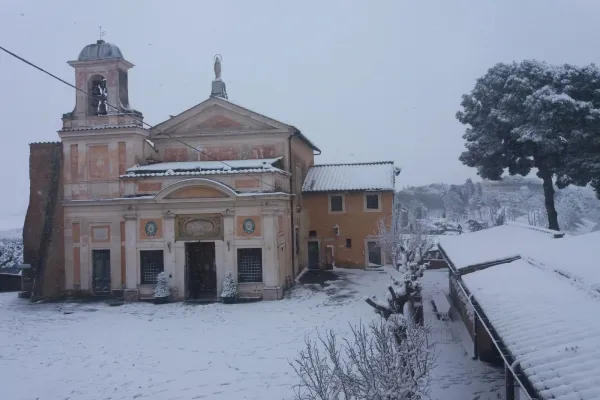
[(99, 51)]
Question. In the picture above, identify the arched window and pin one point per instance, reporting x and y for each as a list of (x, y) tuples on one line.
[(97, 96)]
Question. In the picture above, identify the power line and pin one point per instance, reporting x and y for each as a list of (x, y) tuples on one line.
[(132, 115)]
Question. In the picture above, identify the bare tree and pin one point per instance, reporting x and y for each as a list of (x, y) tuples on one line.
[(404, 243), (389, 360)]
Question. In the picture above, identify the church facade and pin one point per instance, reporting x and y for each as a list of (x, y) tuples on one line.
[(216, 189), (209, 191)]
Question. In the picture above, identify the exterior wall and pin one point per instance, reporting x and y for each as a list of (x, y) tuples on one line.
[(354, 223), (300, 160), (242, 146), (43, 237), (243, 183), (125, 244), (94, 163), (485, 346), (10, 283)]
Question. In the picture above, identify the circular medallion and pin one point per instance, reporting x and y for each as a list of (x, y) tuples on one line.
[(151, 228), (249, 225)]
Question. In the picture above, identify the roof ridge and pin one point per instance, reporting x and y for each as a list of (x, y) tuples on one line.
[(355, 163)]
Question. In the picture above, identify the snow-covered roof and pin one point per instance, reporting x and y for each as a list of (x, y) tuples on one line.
[(574, 256), (495, 244), (548, 324), (348, 177), (204, 168)]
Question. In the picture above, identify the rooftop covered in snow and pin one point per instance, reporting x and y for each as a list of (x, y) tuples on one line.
[(351, 177), (186, 168), (575, 257), (495, 244), (547, 323)]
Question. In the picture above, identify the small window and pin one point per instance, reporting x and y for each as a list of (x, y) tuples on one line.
[(152, 263), (348, 243), (312, 234), (372, 201), (249, 265), (336, 203)]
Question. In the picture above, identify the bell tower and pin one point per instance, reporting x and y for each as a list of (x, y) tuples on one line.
[(103, 98)]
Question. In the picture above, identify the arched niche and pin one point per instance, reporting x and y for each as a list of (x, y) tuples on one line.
[(196, 189)]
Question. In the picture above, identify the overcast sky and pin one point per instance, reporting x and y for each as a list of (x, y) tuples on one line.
[(364, 80)]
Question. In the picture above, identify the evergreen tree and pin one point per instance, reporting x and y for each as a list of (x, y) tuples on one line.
[(162, 285), (528, 115), (229, 287)]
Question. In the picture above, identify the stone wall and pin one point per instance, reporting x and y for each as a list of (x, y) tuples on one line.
[(43, 236)]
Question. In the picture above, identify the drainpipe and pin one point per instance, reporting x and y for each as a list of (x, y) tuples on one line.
[(294, 239)]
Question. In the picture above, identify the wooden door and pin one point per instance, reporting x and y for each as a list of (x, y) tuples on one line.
[(201, 269), (101, 272), (313, 255)]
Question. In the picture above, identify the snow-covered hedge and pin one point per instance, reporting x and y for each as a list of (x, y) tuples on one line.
[(11, 252)]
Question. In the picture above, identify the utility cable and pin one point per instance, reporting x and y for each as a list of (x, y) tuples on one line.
[(141, 120)]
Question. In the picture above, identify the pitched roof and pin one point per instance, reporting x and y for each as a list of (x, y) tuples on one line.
[(186, 168), (575, 257), (495, 244), (546, 322), (351, 177)]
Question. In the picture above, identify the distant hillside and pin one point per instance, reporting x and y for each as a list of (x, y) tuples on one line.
[(514, 198), (16, 233)]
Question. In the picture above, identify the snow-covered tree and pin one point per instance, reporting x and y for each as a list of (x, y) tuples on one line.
[(11, 252), (469, 189), (391, 359), (454, 204), (529, 115), (403, 243), (229, 287), (162, 286), (476, 205)]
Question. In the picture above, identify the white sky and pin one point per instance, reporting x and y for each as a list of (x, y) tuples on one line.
[(364, 80)]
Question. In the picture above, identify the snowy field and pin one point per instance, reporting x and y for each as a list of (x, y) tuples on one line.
[(179, 351)]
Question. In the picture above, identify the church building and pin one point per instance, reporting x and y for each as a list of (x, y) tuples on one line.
[(212, 190)]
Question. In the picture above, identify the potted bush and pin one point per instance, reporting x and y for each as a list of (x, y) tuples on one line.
[(229, 292), (161, 292)]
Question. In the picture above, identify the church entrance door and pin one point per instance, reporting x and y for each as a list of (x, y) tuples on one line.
[(101, 272), (201, 271)]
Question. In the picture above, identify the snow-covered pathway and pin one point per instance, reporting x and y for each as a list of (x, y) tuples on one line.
[(179, 351), (457, 375)]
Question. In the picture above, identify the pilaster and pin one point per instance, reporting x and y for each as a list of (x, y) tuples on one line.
[(170, 270), (131, 255)]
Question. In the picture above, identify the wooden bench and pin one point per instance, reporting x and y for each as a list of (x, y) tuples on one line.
[(442, 306)]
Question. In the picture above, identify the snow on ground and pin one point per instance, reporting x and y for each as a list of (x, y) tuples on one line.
[(457, 375), (179, 351)]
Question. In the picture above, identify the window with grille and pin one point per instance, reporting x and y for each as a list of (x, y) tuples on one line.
[(348, 243), (249, 265), (372, 201), (152, 263)]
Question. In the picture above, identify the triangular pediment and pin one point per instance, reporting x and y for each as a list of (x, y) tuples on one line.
[(217, 115)]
